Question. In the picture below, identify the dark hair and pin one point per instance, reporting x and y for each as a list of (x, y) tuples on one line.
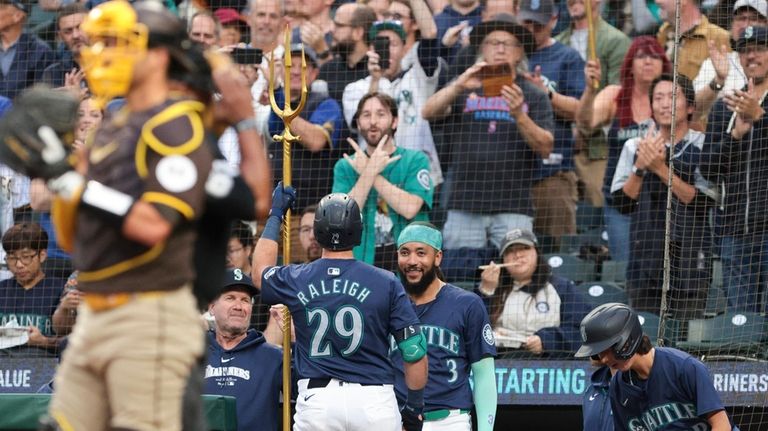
[(539, 281), (384, 99), (25, 235), (69, 9), (364, 17), (645, 345), (309, 209), (627, 79), (242, 232), (683, 83)]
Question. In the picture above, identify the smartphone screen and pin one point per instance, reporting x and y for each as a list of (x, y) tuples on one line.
[(381, 47), (246, 55)]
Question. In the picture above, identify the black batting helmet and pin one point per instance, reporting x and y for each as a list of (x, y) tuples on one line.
[(611, 326), (338, 222)]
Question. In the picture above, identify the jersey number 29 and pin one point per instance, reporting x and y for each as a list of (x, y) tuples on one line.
[(347, 323)]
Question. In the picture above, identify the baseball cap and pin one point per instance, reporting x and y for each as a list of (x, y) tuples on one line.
[(228, 16), (308, 52), (237, 278), (503, 22), (380, 26), (540, 11), (518, 236), (752, 35), (761, 6), (15, 3)]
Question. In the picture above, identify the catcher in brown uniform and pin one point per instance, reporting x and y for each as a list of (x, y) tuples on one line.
[(133, 206)]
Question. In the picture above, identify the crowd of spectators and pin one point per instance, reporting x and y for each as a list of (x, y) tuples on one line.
[(492, 119)]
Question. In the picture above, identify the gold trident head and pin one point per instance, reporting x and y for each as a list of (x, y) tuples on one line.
[(287, 114)]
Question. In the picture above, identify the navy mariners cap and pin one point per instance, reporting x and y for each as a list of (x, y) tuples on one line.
[(540, 11), (236, 278), (15, 3), (308, 52), (752, 35), (518, 236)]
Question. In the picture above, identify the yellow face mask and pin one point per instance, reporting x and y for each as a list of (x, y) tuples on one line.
[(116, 41)]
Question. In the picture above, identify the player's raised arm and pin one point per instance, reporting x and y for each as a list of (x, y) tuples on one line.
[(265, 254)]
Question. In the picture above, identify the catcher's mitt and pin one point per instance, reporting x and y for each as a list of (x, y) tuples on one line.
[(36, 135)]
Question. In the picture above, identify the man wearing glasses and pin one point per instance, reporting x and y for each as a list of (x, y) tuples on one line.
[(29, 297), (350, 44), (498, 127)]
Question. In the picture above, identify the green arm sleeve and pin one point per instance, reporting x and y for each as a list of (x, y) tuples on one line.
[(484, 393)]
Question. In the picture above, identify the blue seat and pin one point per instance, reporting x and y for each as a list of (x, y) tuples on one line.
[(598, 292), (588, 217), (737, 334), (614, 271), (570, 267)]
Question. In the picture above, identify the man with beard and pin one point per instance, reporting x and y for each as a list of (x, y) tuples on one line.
[(350, 37), (459, 337), (307, 234), (391, 184), (68, 21)]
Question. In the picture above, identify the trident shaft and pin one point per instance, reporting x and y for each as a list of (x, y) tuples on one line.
[(287, 114)]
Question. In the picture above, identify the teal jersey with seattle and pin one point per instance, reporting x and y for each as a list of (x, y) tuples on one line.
[(410, 174), (343, 311), (458, 333)]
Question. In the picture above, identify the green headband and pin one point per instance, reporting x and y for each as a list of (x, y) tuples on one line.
[(420, 233)]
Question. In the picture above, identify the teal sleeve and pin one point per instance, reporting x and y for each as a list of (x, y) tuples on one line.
[(419, 182), (484, 393), (344, 177)]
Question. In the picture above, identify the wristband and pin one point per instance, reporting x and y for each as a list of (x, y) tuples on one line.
[(415, 400), (247, 124), (272, 228)]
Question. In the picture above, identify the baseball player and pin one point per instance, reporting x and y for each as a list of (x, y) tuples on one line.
[(459, 337), (344, 311), (136, 200), (654, 387)]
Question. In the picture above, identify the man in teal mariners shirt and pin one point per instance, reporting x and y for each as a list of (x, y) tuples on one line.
[(392, 185)]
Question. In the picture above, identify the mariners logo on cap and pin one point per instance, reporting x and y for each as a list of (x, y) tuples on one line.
[(514, 234), (238, 274), (542, 307), (583, 334), (749, 32)]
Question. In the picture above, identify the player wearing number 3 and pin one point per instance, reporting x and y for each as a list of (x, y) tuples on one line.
[(343, 312), (459, 337)]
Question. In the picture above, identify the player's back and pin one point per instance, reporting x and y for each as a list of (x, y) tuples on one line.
[(343, 312)]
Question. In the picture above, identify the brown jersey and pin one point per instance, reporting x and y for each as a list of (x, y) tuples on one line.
[(159, 156)]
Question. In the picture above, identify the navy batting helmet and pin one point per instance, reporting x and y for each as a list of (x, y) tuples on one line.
[(338, 222), (611, 326)]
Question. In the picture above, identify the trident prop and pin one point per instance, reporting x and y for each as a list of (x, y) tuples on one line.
[(287, 114), (591, 36)]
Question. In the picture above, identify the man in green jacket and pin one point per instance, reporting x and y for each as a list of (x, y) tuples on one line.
[(391, 185), (610, 44)]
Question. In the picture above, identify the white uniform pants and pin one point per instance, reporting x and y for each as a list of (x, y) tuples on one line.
[(342, 406), (454, 422)]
